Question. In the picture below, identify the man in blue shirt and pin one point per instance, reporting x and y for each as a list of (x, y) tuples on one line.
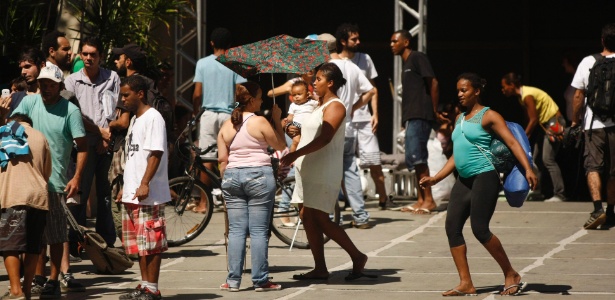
[(214, 91)]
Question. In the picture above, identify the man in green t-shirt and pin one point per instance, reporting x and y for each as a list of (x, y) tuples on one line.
[(60, 121)]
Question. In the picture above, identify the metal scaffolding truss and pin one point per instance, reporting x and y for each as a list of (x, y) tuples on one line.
[(419, 30), (190, 46)]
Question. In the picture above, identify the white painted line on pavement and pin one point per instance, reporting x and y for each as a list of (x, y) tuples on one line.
[(540, 261), (162, 267), (217, 245), (172, 262), (373, 253), (562, 245)]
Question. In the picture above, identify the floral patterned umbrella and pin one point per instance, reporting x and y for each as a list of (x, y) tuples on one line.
[(279, 54)]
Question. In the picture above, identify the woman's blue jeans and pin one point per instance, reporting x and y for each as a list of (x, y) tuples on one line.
[(249, 195)]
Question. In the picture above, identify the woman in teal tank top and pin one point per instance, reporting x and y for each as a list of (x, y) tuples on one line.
[(476, 191)]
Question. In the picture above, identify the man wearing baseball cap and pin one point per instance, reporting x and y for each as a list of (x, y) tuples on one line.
[(61, 123), (130, 59)]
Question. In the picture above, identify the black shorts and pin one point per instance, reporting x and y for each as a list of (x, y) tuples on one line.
[(600, 151), (21, 229)]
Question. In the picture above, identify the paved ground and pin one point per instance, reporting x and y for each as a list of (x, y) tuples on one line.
[(410, 255)]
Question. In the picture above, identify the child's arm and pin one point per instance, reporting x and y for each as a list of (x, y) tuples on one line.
[(287, 120)]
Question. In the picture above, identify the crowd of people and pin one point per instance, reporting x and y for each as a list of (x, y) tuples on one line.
[(81, 123)]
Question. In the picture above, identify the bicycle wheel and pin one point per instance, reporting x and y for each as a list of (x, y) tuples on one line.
[(285, 222), (184, 225)]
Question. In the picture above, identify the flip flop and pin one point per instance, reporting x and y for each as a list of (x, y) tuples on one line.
[(520, 287), (409, 209), (422, 211), (456, 292), (302, 276), (354, 276)]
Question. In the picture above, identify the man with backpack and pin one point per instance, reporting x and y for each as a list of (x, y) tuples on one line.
[(131, 60), (592, 81)]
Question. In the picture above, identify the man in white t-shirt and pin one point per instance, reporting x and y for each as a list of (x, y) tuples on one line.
[(146, 187), (357, 88), (364, 124), (599, 150)]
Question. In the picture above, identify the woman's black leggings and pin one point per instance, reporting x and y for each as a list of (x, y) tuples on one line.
[(477, 197)]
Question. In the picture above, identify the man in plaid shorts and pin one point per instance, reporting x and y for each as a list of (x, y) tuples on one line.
[(146, 187)]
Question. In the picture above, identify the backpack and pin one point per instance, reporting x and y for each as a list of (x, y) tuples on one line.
[(106, 260), (601, 87)]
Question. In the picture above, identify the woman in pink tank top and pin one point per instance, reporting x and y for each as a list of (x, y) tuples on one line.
[(248, 184)]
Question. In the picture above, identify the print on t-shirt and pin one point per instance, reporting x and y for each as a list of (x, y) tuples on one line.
[(132, 148)]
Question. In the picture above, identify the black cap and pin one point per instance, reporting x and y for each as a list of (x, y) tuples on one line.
[(131, 51)]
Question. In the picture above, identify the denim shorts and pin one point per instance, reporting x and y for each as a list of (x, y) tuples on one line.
[(417, 135)]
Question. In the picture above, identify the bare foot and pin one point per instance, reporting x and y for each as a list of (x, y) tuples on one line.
[(359, 264)]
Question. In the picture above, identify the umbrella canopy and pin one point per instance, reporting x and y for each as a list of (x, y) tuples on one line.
[(279, 54)]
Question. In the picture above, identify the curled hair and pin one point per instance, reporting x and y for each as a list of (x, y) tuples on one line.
[(477, 82), (244, 92), (18, 117), (608, 36), (92, 41), (405, 34), (136, 83), (20, 83), (333, 73), (34, 56), (302, 83), (222, 38), (50, 40), (512, 78), (343, 33)]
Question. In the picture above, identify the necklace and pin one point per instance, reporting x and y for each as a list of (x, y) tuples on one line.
[(473, 112)]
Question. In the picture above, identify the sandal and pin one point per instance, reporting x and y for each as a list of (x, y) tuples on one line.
[(520, 287), (456, 292), (422, 211), (409, 209)]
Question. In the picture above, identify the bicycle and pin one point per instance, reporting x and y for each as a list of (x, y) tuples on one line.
[(185, 190), (188, 191)]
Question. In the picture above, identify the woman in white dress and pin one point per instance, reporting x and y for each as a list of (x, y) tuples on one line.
[(319, 172)]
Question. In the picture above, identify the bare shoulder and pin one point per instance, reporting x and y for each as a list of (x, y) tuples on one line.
[(492, 115)]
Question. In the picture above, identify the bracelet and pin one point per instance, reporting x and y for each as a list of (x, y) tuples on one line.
[(287, 125)]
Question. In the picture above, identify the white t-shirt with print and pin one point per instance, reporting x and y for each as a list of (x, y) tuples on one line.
[(365, 63), (146, 133), (356, 85), (300, 111), (579, 82)]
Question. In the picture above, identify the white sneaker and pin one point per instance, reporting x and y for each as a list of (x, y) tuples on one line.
[(554, 199)]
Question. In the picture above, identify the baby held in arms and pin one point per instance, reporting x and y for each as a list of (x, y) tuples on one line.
[(302, 105)]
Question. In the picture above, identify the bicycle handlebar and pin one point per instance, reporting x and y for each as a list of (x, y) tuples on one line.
[(188, 133)]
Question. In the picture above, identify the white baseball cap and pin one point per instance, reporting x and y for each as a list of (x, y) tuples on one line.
[(330, 39), (52, 72)]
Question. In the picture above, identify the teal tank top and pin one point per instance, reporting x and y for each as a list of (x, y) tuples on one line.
[(469, 160)]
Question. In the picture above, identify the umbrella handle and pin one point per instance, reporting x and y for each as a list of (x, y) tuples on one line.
[(272, 86)]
